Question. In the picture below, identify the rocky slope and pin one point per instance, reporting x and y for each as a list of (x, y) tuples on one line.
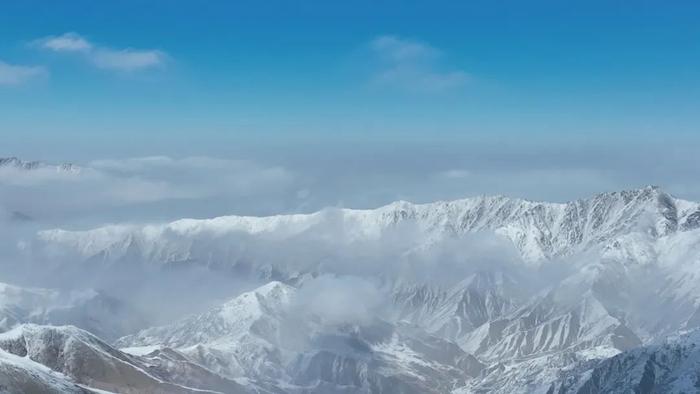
[(88, 360), (670, 367), (21, 375)]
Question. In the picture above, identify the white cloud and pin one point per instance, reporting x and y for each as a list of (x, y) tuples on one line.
[(413, 65), (338, 299), (127, 59), (68, 42), (454, 174), (400, 50), (15, 74)]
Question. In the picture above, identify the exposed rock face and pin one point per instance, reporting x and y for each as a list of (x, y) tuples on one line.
[(670, 367), (20, 375)]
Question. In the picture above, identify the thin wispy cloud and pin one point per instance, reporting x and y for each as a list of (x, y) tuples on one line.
[(11, 74), (413, 65), (454, 174), (126, 59), (68, 42)]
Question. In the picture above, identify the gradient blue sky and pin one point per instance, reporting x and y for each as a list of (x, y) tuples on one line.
[(541, 99), (253, 71)]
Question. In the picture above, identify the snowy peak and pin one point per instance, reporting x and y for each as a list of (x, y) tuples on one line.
[(231, 320), (615, 211), (273, 293)]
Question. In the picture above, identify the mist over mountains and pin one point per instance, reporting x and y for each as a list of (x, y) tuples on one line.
[(478, 295), (366, 197)]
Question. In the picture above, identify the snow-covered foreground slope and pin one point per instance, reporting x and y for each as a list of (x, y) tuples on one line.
[(87, 360), (22, 375)]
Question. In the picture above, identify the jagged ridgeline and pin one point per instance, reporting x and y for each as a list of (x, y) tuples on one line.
[(481, 295)]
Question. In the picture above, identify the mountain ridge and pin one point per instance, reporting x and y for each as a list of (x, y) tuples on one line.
[(539, 230)]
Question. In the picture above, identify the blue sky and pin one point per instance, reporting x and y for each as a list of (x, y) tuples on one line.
[(86, 80), (255, 70)]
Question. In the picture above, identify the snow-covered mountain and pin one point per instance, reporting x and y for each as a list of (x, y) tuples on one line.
[(481, 295), (611, 240), (252, 321), (260, 334), (539, 231)]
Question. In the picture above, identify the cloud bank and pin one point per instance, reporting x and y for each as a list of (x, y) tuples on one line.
[(110, 189), (293, 179)]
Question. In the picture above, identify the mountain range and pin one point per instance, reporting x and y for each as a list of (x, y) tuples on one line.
[(480, 295)]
